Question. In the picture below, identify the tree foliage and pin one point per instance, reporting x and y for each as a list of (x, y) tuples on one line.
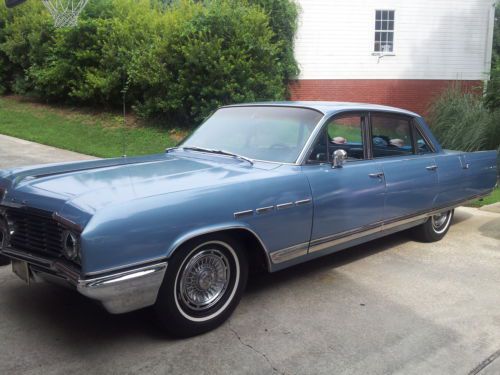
[(174, 59)]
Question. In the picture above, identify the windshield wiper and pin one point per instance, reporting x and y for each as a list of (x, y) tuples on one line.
[(218, 152)]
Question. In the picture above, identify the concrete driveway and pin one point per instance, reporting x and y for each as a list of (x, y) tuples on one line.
[(389, 306)]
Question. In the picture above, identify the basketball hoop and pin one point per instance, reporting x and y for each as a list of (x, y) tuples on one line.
[(65, 12)]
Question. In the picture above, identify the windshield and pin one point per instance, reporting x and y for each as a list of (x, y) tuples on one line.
[(262, 133)]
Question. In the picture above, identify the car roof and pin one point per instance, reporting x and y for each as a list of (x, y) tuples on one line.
[(329, 108)]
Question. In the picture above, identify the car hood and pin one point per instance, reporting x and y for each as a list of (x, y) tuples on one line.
[(77, 190)]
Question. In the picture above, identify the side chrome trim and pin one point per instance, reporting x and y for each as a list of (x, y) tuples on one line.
[(289, 253), (283, 206), (126, 267), (240, 214), (340, 238), (381, 226), (303, 201), (263, 210), (189, 236)]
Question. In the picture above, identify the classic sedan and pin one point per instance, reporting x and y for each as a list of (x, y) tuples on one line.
[(255, 186)]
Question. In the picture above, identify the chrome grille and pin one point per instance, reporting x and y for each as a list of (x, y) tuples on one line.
[(35, 231)]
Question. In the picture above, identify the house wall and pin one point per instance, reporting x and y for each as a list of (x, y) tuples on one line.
[(435, 42), (414, 95)]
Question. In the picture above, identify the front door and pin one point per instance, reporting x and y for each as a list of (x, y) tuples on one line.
[(347, 200)]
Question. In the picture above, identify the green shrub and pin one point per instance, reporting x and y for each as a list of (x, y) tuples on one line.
[(461, 121), (208, 55), (173, 59), (27, 39)]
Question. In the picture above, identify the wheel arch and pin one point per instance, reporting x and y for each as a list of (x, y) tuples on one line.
[(249, 237)]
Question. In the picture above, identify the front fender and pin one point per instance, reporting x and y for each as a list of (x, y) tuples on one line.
[(150, 229)]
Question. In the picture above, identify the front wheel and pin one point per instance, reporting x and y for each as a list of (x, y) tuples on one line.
[(203, 285), (434, 228)]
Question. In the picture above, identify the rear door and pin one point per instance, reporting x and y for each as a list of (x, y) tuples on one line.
[(410, 173)]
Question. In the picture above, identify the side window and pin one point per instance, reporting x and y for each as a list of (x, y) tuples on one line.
[(344, 133), (391, 136), (423, 146)]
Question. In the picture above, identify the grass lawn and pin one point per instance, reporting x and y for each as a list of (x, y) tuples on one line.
[(92, 133), (493, 198)]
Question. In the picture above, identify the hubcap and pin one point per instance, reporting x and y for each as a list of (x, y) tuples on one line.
[(204, 280), (439, 221)]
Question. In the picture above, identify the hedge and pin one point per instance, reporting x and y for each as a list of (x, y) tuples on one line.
[(176, 60)]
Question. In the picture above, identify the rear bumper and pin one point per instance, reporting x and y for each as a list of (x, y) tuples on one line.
[(118, 292)]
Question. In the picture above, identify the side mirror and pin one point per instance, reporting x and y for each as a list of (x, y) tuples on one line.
[(339, 158)]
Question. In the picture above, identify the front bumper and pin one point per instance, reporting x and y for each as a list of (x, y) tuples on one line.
[(118, 292)]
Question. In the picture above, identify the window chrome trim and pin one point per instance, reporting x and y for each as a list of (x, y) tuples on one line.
[(419, 131), (309, 146), (312, 139)]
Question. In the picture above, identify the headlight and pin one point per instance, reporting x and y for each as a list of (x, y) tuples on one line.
[(71, 245)]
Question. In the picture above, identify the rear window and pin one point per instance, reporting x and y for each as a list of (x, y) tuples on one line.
[(391, 136)]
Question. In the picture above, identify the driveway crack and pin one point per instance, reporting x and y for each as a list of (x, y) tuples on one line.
[(255, 350), (485, 363)]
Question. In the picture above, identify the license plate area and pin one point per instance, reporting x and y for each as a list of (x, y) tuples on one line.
[(22, 270)]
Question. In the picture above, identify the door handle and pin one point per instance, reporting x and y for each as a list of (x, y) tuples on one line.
[(376, 175), (466, 166), (431, 167)]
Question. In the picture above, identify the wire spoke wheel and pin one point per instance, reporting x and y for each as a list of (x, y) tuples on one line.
[(440, 221), (204, 283), (204, 280)]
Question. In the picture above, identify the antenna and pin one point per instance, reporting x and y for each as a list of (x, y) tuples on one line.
[(124, 129)]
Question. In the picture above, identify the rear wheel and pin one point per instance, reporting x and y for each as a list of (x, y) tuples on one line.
[(434, 228), (203, 285)]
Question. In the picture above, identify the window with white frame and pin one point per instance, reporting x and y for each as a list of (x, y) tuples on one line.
[(384, 31)]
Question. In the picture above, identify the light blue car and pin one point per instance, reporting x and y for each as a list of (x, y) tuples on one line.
[(256, 186)]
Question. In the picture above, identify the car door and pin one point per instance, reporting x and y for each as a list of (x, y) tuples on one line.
[(410, 176), (347, 200)]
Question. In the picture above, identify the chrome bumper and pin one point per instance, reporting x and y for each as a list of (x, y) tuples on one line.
[(118, 292), (125, 291)]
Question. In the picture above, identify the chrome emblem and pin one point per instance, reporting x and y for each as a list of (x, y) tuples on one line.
[(70, 245)]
